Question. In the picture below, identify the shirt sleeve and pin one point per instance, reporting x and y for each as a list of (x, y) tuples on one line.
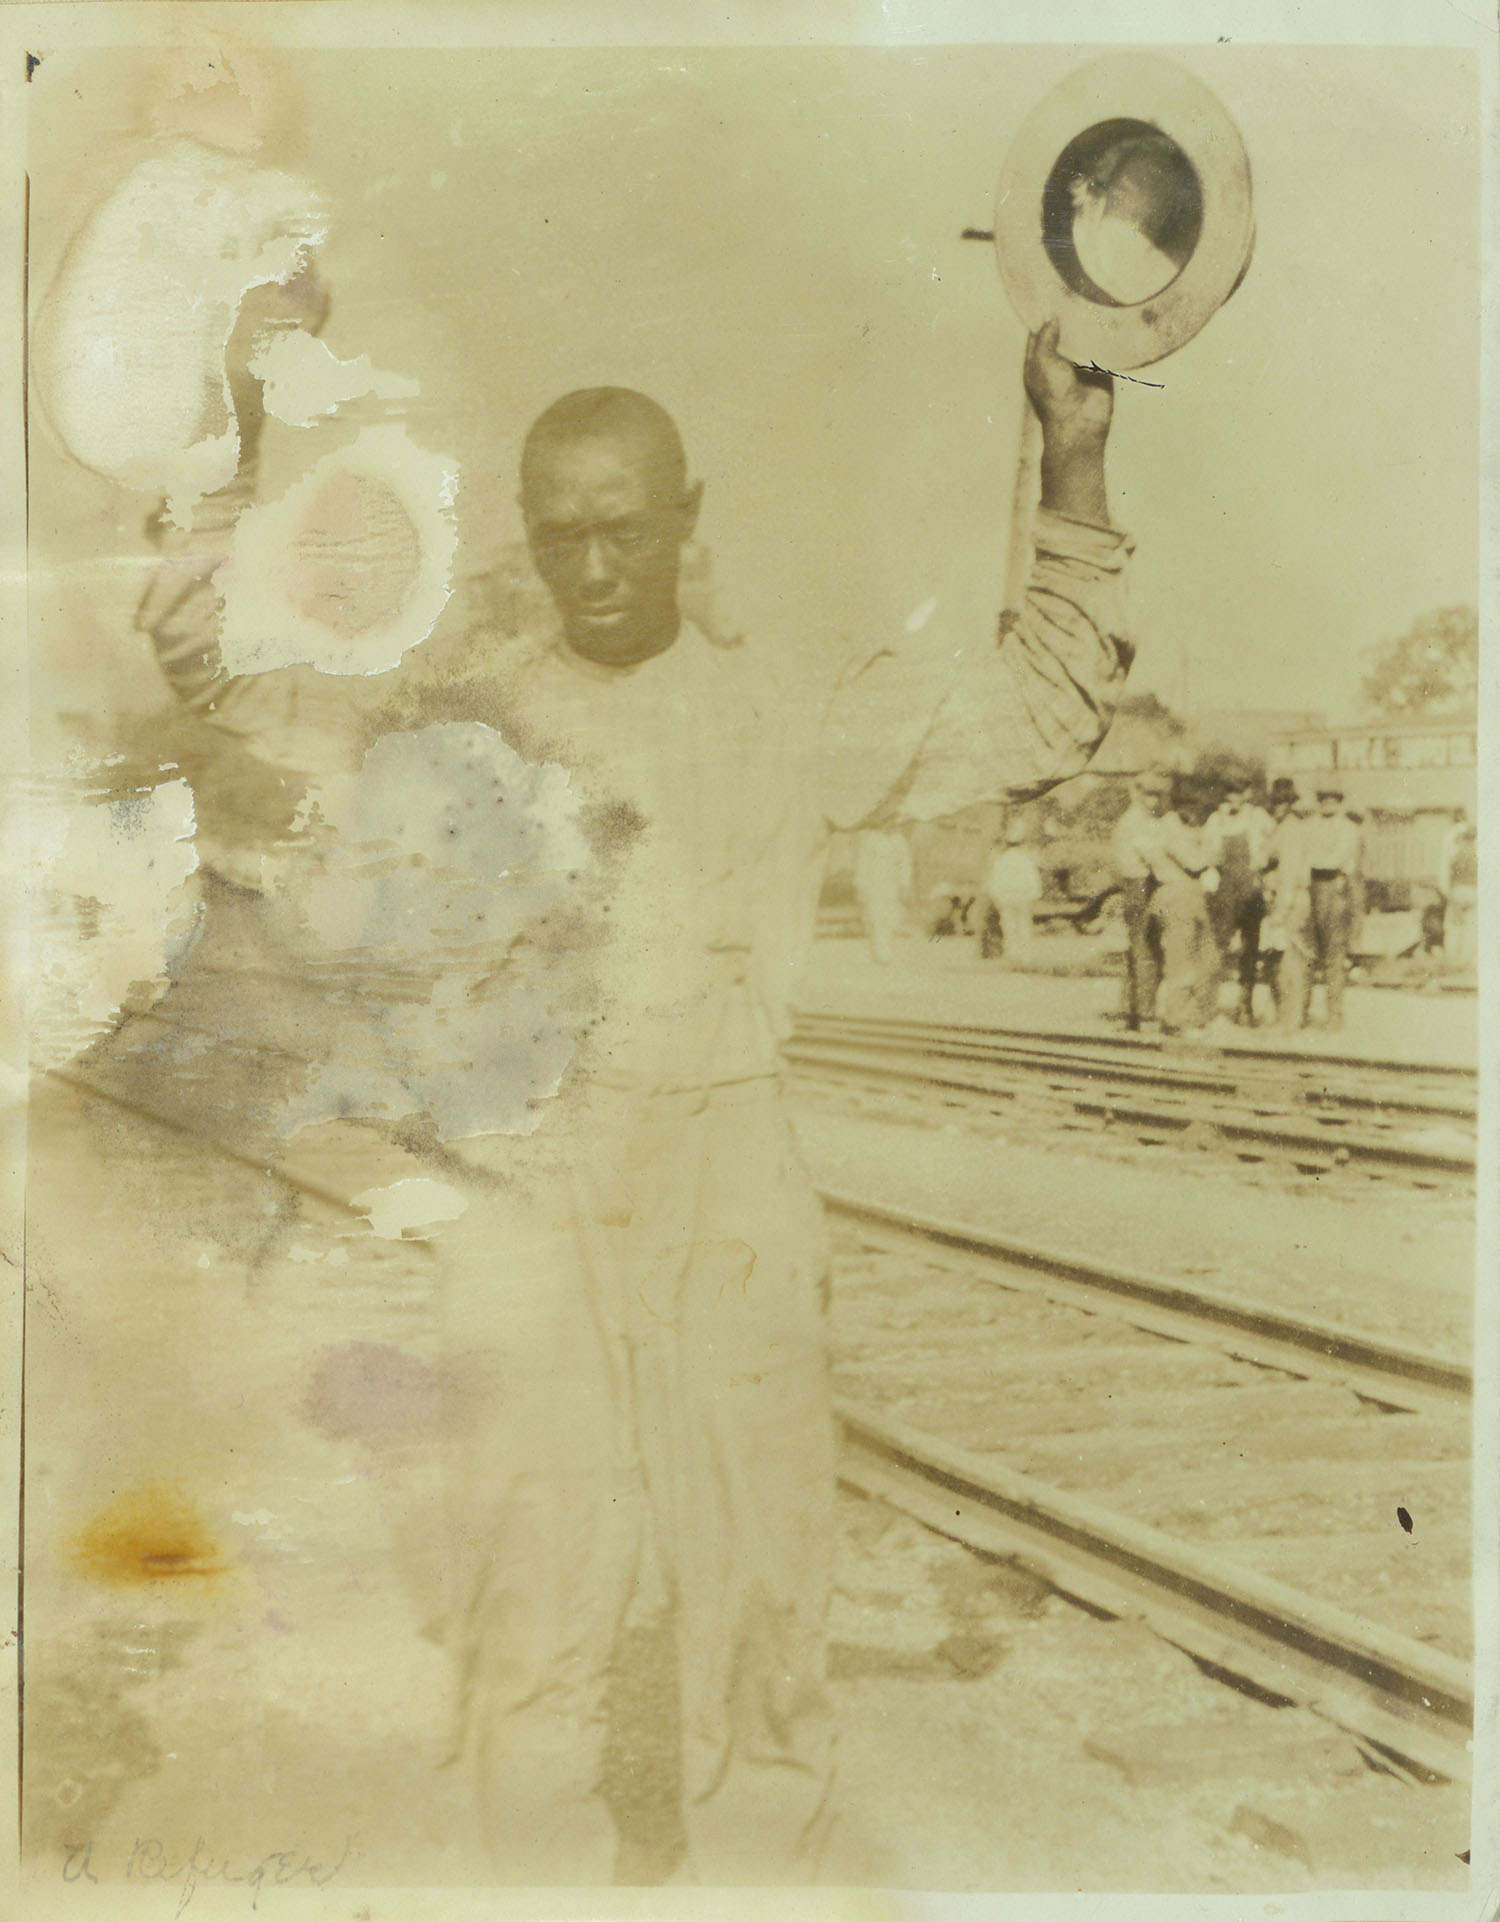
[(929, 726)]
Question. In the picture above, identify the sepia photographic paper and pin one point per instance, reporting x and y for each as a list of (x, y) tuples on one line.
[(745, 1142)]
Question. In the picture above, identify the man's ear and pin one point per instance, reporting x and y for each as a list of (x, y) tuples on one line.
[(692, 501)]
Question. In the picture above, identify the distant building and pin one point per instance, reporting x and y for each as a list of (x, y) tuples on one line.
[(1250, 731), (1405, 778)]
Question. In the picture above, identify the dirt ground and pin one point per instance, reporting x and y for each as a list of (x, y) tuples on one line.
[(993, 1736), (998, 1737), (1386, 1260)]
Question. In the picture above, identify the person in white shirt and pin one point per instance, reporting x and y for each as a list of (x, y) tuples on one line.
[(1182, 865), (1012, 888), (1135, 846), (1237, 840), (1331, 851), (674, 1463), (882, 886)]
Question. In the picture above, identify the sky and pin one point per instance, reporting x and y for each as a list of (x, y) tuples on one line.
[(768, 241)]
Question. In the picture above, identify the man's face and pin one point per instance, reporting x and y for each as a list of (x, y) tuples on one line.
[(1328, 804), (1152, 797), (1234, 800), (606, 525)]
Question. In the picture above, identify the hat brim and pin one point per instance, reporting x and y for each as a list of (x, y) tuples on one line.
[(1140, 89)]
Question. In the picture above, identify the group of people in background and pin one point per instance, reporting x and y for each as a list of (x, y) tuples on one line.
[(1215, 887), (1234, 890)]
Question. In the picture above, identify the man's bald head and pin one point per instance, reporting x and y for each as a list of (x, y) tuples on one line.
[(607, 508), (632, 420)]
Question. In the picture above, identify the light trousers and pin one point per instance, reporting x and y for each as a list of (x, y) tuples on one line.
[(653, 1440)]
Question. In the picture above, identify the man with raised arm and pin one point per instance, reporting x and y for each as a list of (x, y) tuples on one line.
[(641, 1302)]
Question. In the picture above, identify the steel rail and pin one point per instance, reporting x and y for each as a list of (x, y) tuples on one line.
[(878, 1036), (1412, 1701), (1395, 1375), (1268, 1337), (1300, 1059), (1088, 1056), (1290, 1140), (291, 1168)]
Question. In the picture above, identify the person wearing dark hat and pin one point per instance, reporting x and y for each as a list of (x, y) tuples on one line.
[(1331, 850), (1237, 837)]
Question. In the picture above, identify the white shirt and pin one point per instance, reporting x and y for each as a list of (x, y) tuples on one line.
[(707, 795), (1136, 842), (1013, 877), (1331, 842), (1252, 822)]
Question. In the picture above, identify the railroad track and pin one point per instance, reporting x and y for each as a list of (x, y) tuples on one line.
[(1341, 1079), (1312, 1114), (1051, 1394), (1234, 1476)]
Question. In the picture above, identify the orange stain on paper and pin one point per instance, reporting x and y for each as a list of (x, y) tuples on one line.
[(149, 1533)]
